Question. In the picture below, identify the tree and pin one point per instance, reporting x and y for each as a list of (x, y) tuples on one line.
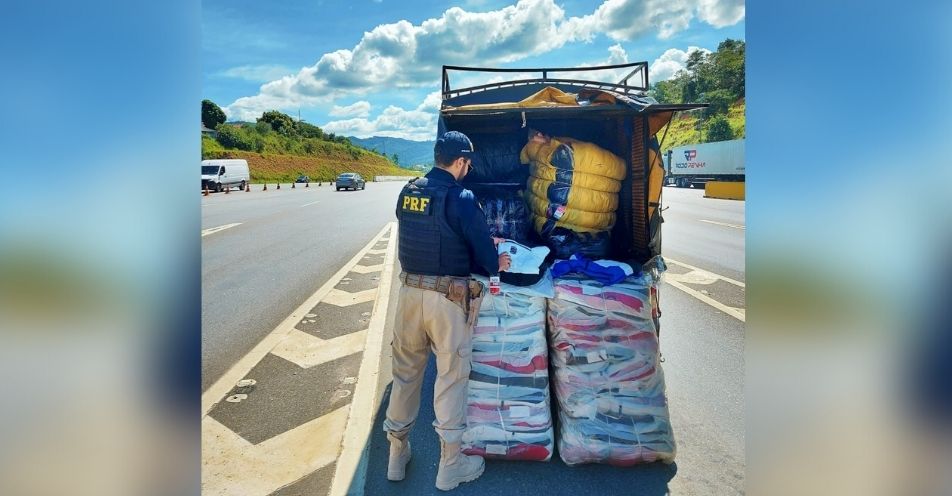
[(719, 129), (212, 115), (719, 102), (235, 137), (395, 158), (309, 130), (281, 123), (263, 128)]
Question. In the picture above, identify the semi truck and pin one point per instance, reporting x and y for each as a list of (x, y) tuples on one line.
[(693, 165)]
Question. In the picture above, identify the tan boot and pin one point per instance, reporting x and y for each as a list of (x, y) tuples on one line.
[(399, 456), (456, 468)]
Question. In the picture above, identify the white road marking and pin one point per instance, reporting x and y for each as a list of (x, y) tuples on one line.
[(213, 230), (309, 351), (346, 299), (718, 276), (220, 388), (377, 252), (735, 226), (231, 465), (312, 203), (737, 313), (351, 468), (364, 269), (701, 276)]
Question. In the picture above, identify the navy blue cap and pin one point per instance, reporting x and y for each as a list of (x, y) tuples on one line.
[(454, 144)]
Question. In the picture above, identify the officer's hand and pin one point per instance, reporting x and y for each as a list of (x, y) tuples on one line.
[(496, 240), (505, 261)]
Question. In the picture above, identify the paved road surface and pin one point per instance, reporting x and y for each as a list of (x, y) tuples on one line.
[(286, 245), (265, 253)]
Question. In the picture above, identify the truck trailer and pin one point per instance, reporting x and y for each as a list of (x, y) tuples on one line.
[(693, 165)]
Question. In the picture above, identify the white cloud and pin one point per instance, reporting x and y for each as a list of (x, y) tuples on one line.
[(257, 73), (721, 13), (418, 124), (356, 109), (403, 55), (670, 62)]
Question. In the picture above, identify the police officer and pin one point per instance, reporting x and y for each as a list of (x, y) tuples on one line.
[(442, 233)]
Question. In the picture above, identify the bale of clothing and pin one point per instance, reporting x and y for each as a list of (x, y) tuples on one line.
[(508, 409), (507, 215), (605, 372), (573, 187)]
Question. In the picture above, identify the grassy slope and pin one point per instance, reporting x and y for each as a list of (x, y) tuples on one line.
[(682, 132), (270, 167)]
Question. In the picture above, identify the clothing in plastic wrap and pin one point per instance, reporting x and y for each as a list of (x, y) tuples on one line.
[(506, 214), (571, 154), (508, 412), (575, 178), (580, 198), (606, 372), (566, 242), (541, 207), (496, 160)]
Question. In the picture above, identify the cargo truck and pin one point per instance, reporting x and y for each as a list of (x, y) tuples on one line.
[(619, 117), (693, 165)]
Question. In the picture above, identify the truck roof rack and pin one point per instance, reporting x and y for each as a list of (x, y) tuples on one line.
[(635, 81)]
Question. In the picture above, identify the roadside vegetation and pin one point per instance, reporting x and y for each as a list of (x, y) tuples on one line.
[(278, 148), (715, 78)]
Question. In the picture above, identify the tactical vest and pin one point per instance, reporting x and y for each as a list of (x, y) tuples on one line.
[(428, 245)]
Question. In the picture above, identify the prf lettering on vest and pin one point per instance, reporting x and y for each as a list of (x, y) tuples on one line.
[(416, 204)]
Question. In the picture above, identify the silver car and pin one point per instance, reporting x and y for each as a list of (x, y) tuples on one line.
[(350, 180)]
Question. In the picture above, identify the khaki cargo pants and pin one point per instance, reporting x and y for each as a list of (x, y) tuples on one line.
[(427, 320)]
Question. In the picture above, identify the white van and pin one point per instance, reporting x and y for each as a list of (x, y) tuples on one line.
[(224, 173)]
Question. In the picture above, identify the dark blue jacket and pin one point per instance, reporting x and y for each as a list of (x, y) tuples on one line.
[(442, 229)]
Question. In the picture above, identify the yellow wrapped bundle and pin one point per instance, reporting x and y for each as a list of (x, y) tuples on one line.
[(575, 178), (544, 225), (598, 221), (574, 155), (574, 197)]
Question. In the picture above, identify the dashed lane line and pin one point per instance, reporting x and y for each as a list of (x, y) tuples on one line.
[(309, 204), (351, 470), (735, 226), (223, 385), (213, 230)]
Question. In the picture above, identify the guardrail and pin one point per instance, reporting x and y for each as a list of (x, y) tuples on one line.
[(393, 178)]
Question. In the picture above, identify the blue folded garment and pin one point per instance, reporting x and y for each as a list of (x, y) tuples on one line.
[(605, 274)]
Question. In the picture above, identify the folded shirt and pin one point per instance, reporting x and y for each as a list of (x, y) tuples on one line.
[(525, 259)]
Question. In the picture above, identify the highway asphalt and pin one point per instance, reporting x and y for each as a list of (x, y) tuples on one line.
[(288, 243)]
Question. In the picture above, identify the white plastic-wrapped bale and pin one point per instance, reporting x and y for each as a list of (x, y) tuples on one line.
[(606, 373), (508, 413)]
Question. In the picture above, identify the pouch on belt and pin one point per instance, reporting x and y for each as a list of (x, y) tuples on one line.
[(468, 294)]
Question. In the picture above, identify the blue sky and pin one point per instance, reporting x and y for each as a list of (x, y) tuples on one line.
[(372, 67)]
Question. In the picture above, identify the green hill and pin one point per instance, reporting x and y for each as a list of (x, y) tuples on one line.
[(326, 161), (684, 128)]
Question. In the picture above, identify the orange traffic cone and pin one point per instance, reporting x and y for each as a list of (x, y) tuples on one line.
[(292, 185), (247, 187), (227, 189), (265, 187), (307, 185), (205, 193), (279, 185)]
